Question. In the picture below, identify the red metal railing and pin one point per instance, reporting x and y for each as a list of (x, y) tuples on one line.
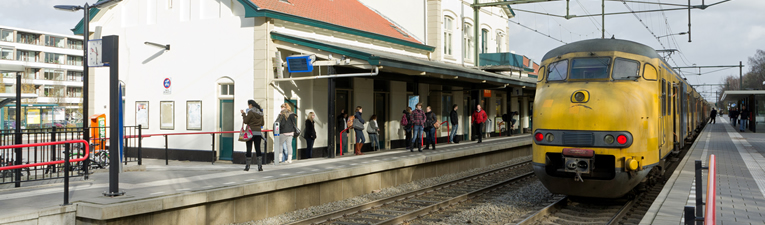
[(710, 213), (66, 161), (87, 150), (341, 140)]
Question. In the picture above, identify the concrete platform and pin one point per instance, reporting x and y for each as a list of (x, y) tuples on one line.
[(201, 193), (740, 175)]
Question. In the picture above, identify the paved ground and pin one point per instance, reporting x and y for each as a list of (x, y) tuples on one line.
[(740, 175), (179, 177)]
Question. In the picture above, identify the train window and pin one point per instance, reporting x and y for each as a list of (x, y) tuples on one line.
[(558, 70), (663, 97), (590, 68), (649, 72), (540, 74), (626, 69)]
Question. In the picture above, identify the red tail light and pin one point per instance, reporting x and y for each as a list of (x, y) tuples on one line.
[(621, 139), (539, 136)]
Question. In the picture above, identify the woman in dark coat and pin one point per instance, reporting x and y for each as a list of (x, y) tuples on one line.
[(310, 133), (253, 117)]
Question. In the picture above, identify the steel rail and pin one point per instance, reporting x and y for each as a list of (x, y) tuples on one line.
[(377, 203), (545, 212), (461, 198)]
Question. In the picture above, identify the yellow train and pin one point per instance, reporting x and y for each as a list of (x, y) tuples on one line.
[(607, 114)]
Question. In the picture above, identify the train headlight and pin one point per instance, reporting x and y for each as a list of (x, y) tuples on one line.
[(609, 139), (579, 96), (621, 139), (549, 137), (539, 137)]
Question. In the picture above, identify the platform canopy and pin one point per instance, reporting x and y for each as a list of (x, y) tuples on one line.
[(7, 98), (729, 96)]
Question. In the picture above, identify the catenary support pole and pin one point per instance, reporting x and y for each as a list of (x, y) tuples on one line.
[(85, 80), (476, 28), (740, 75)]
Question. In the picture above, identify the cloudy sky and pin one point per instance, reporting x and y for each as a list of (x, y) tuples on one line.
[(722, 35)]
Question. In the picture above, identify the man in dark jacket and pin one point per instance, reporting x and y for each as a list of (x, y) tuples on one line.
[(744, 118), (454, 120), (734, 116), (418, 121), (712, 116)]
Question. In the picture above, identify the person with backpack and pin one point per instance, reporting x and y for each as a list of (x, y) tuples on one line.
[(253, 117), (454, 120), (418, 121), (407, 126), (358, 126), (372, 130), (430, 128)]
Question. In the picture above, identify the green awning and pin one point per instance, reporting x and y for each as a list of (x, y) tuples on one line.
[(386, 59)]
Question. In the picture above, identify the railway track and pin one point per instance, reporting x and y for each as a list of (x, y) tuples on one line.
[(408, 206)]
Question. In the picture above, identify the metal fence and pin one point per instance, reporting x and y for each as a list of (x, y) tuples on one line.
[(38, 154)]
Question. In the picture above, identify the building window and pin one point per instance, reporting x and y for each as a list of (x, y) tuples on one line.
[(27, 56), (484, 41), (227, 89), (73, 76), (26, 38), (467, 43), (74, 44), (74, 92), (53, 41), (74, 60), (53, 74), (6, 53), (6, 35), (448, 35), (54, 58), (500, 41)]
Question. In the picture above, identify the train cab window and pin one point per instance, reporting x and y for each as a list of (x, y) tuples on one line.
[(626, 69), (590, 68), (649, 72), (558, 70), (541, 74)]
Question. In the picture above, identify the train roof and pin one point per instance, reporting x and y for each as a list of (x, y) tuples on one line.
[(602, 45)]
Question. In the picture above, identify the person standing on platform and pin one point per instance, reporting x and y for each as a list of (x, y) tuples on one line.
[(406, 124), (430, 128), (418, 120), (287, 127), (454, 117), (358, 126), (372, 130), (253, 117), (734, 116), (744, 118), (342, 124), (479, 118), (310, 133), (712, 116)]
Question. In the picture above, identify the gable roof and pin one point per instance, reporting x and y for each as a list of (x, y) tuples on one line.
[(347, 13)]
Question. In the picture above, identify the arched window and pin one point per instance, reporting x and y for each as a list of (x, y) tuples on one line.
[(500, 41), (467, 42), (448, 21), (484, 41)]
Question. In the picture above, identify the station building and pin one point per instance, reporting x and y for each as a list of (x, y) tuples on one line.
[(50, 66), (217, 54)]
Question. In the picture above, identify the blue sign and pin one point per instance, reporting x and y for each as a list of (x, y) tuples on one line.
[(298, 64), (166, 83)]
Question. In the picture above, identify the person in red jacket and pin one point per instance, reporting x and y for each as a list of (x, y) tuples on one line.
[(479, 118)]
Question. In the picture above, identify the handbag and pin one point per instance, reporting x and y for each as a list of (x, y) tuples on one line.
[(437, 124), (245, 134), (357, 124), (297, 130)]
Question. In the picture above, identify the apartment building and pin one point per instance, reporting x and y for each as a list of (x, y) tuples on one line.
[(51, 71)]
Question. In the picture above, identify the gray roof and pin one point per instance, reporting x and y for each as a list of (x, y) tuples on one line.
[(603, 45)]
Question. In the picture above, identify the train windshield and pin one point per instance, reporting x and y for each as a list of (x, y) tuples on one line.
[(590, 68), (625, 69), (558, 70)]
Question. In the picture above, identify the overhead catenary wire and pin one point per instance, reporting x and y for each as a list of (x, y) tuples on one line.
[(532, 29)]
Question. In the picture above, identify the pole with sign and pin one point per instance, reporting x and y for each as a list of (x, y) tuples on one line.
[(167, 84)]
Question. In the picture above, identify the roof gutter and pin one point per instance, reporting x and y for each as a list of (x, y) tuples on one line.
[(376, 71)]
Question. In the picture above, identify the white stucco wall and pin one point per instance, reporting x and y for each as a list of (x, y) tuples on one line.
[(208, 42)]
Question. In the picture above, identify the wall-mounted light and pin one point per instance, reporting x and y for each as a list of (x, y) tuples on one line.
[(166, 47)]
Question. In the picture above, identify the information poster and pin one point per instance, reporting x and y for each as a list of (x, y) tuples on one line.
[(166, 112), (142, 114), (413, 100), (33, 116), (194, 115)]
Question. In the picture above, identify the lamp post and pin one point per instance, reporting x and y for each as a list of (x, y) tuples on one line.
[(85, 35)]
